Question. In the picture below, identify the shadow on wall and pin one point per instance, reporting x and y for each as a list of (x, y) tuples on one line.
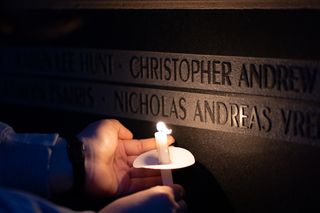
[(203, 192)]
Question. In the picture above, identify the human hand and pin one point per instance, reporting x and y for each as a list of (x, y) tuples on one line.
[(109, 155), (156, 199)]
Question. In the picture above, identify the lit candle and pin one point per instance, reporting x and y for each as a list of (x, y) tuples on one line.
[(163, 152)]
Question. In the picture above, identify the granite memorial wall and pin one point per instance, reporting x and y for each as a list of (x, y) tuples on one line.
[(238, 87)]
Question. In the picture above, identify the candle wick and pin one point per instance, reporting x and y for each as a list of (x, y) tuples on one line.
[(167, 131)]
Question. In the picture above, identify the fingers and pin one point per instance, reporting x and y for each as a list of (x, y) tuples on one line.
[(141, 173), (155, 199), (107, 126), (182, 206), (137, 147), (175, 196), (123, 132), (139, 184), (130, 160), (178, 192)]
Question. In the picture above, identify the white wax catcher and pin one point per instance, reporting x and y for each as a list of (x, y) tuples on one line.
[(179, 157)]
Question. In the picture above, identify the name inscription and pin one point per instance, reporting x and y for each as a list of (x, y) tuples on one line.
[(222, 93), (282, 78)]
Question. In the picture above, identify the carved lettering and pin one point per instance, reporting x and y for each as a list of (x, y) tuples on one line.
[(300, 123), (198, 112), (254, 119), (222, 113), (61, 62), (266, 115), (209, 110), (80, 96), (97, 64), (150, 104), (181, 69), (234, 114)]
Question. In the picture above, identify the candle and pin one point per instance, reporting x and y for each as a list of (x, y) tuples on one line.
[(163, 152)]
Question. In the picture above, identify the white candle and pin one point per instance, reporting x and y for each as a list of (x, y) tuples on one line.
[(162, 147), (163, 152)]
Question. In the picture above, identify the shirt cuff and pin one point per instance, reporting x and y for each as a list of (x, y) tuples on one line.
[(25, 160)]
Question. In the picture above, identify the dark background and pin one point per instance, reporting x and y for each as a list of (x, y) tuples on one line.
[(233, 172)]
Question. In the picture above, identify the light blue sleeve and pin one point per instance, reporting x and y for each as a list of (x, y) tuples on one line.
[(25, 160), (21, 202)]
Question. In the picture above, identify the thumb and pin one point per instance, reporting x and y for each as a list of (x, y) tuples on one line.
[(182, 207), (178, 192)]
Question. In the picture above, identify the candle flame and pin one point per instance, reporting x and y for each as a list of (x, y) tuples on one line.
[(161, 127)]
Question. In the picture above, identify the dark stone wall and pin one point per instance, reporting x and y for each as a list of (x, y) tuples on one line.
[(233, 172)]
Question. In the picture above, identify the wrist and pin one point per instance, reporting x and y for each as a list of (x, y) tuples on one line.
[(76, 153), (60, 172)]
